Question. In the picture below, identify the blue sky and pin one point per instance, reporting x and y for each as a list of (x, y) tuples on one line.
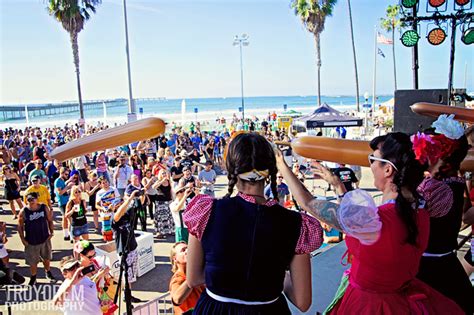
[(183, 49)]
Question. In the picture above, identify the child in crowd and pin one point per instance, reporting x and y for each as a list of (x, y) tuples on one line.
[(177, 208), (183, 297)]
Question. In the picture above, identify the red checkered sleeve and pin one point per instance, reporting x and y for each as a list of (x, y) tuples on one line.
[(197, 215), (438, 196), (311, 235)]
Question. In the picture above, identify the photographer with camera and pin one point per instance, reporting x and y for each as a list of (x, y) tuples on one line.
[(84, 299), (138, 202), (125, 238)]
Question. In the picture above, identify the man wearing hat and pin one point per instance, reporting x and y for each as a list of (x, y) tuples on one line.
[(41, 191), (38, 171), (77, 294), (189, 181), (35, 227), (185, 160)]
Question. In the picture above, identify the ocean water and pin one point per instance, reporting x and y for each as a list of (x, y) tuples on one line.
[(208, 109)]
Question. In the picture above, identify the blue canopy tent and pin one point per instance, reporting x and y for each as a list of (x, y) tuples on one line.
[(327, 117)]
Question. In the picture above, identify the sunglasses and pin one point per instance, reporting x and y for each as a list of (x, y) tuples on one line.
[(77, 192), (279, 176), (31, 198), (91, 256), (373, 158)]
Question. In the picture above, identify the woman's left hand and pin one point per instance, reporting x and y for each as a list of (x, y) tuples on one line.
[(325, 174), (278, 155)]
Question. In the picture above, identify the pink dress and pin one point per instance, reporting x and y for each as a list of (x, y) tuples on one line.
[(382, 276)]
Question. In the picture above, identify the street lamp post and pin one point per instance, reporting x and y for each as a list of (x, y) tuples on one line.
[(366, 106), (241, 41), (132, 111)]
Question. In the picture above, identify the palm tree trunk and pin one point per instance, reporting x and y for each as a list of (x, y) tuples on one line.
[(393, 54), (75, 53), (354, 54), (318, 64)]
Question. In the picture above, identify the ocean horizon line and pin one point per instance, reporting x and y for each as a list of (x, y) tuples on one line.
[(163, 98)]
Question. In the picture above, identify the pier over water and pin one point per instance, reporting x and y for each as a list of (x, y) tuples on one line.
[(16, 112)]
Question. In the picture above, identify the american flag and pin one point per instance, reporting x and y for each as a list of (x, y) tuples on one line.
[(383, 40)]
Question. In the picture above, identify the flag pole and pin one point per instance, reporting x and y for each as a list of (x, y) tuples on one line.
[(375, 67)]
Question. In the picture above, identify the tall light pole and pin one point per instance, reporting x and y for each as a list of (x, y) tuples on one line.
[(241, 41), (132, 111), (366, 106)]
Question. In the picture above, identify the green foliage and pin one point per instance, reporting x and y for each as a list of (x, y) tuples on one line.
[(388, 123), (72, 13), (392, 21), (313, 13)]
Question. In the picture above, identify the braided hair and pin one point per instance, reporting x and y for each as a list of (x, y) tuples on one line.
[(248, 151), (397, 148)]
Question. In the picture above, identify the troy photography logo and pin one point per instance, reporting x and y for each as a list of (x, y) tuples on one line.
[(40, 298)]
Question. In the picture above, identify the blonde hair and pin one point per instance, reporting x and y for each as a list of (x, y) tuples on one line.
[(73, 190), (173, 254)]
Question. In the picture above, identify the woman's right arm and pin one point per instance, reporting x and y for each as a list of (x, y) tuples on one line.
[(321, 209), (297, 286), (195, 263), (69, 209)]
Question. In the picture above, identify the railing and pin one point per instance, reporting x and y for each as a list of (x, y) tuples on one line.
[(160, 305)]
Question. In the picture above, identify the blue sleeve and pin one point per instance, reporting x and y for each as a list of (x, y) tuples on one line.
[(268, 191), (59, 184)]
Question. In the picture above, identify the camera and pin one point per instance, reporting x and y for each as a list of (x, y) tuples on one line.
[(140, 193)]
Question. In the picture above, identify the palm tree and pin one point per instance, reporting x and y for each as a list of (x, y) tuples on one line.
[(72, 14), (313, 14), (390, 23), (354, 54)]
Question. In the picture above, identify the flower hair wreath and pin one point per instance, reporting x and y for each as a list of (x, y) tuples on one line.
[(434, 147)]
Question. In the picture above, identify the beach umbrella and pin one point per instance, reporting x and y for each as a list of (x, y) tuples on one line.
[(183, 111)]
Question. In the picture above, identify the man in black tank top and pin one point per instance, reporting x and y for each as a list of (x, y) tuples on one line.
[(35, 227)]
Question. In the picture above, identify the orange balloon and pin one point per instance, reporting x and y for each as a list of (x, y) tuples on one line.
[(135, 131), (343, 151), (434, 110)]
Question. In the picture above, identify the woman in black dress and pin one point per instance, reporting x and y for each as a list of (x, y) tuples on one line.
[(249, 250), (12, 189)]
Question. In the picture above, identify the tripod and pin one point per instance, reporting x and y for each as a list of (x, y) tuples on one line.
[(124, 265)]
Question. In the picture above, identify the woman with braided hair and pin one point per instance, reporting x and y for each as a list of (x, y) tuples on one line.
[(241, 246), (385, 243)]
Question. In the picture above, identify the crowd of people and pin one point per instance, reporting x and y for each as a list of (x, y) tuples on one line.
[(237, 254)]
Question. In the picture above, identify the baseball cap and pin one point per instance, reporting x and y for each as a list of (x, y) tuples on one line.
[(31, 196), (35, 177), (69, 264)]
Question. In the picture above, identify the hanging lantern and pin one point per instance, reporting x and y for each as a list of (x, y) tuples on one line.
[(436, 3), (468, 36), (410, 38), (461, 2), (409, 3), (436, 36)]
